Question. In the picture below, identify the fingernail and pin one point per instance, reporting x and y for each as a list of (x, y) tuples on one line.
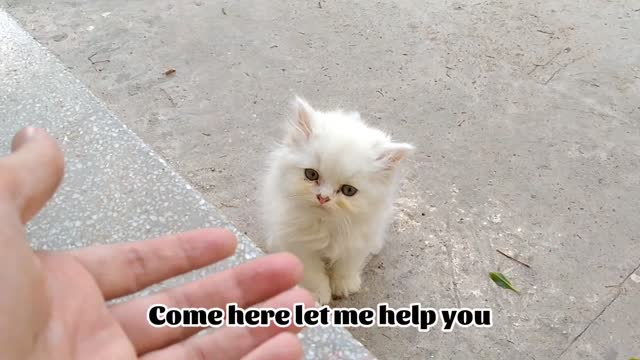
[(23, 136)]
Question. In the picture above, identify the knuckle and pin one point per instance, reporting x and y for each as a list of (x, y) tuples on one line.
[(138, 265), (188, 254)]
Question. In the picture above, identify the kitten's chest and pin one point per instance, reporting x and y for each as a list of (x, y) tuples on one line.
[(326, 230), (331, 237), (336, 239)]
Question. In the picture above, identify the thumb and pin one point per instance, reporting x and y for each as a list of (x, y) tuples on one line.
[(32, 172)]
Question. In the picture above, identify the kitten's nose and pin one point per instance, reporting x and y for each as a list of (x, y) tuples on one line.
[(322, 199)]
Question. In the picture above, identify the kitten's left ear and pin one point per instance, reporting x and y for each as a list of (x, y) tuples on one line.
[(393, 153), (300, 122)]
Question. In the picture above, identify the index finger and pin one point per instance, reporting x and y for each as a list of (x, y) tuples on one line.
[(126, 268)]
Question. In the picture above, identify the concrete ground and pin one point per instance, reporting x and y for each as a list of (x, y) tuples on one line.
[(115, 188), (526, 115)]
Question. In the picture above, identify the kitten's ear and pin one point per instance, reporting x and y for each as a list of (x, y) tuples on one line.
[(300, 122), (392, 154)]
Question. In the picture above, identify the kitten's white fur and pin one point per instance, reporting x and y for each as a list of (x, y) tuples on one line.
[(334, 239)]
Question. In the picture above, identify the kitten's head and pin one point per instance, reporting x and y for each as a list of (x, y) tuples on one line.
[(335, 162)]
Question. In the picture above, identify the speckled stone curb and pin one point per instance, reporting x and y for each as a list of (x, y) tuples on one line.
[(115, 188)]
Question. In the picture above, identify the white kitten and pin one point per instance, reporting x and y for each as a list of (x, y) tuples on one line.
[(328, 196)]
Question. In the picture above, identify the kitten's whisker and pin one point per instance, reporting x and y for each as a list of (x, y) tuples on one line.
[(294, 196)]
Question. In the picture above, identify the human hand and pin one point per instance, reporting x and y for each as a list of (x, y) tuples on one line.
[(52, 304)]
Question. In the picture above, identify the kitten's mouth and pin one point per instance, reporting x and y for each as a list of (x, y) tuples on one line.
[(322, 200)]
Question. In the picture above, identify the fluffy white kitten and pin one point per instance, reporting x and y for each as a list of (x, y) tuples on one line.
[(328, 196)]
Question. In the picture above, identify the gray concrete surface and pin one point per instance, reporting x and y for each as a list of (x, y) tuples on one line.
[(526, 115), (115, 188)]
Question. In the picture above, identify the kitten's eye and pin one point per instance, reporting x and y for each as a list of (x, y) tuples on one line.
[(311, 174), (348, 190)]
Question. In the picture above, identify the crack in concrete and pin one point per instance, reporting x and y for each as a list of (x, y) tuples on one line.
[(169, 97), (562, 68), (619, 286), (536, 66), (454, 282)]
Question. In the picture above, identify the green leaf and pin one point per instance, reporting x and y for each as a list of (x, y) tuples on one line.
[(634, 359), (502, 281)]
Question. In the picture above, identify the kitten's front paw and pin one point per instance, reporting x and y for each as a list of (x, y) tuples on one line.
[(323, 297), (320, 289), (344, 284)]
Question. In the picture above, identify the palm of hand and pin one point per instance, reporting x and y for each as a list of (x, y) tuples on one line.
[(55, 308)]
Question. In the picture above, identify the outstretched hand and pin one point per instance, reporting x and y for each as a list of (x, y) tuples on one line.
[(53, 304)]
